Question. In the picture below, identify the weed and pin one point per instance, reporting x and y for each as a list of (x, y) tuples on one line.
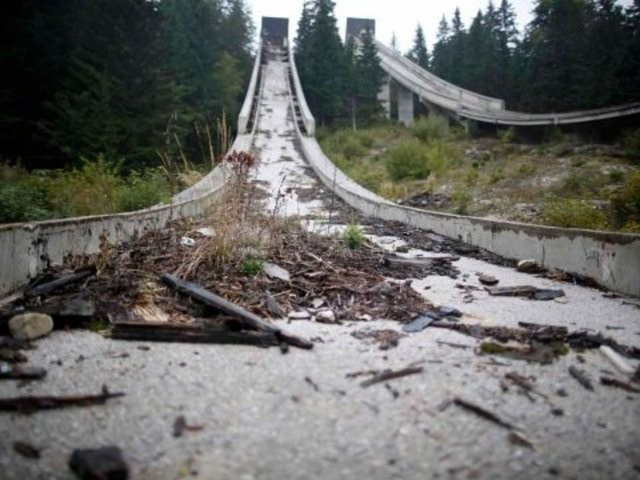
[(352, 236), (461, 201), (510, 135), (408, 160), (392, 191), (631, 144), (252, 266), (496, 176), (526, 169), (575, 184), (626, 203), (616, 176), (433, 127), (573, 214)]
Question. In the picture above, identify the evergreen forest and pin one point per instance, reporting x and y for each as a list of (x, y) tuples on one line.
[(123, 80)]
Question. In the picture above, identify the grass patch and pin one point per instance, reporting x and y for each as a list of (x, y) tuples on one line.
[(573, 213)]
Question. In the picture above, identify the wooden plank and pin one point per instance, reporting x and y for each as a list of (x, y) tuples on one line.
[(247, 318), (53, 285), (182, 334)]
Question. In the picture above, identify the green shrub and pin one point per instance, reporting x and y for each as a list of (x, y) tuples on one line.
[(631, 144), (575, 184), (23, 196), (573, 214), (431, 128), (626, 201), (496, 176), (90, 190), (352, 236), (510, 135), (616, 176), (408, 160), (143, 190), (461, 201)]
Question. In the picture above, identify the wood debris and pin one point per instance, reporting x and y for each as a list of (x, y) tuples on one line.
[(482, 412), (30, 404), (390, 375)]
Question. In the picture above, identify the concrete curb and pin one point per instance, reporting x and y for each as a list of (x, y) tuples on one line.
[(611, 259)]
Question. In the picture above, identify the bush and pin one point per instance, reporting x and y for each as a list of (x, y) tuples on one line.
[(626, 202), (461, 201), (631, 144), (143, 190), (431, 128), (408, 160), (23, 197), (510, 135), (573, 214), (93, 189)]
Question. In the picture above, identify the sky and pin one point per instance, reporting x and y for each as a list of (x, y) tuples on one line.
[(393, 16)]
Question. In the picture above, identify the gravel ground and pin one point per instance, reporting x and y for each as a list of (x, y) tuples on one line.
[(265, 415)]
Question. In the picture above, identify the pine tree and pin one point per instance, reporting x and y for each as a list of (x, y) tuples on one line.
[(302, 42), (370, 77), (324, 86), (556, 55), (419, 53), (441, 60)]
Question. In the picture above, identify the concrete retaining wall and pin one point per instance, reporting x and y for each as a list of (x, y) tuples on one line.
[(611, 259)]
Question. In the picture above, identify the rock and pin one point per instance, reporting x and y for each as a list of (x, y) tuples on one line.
[(402, 249), (28, 326), (326, 316), (528, 266), (487, 279), (187, 242), (104, 463), (274, 271), (206, 231), (302, 315)]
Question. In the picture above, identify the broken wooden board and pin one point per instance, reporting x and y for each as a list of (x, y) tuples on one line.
[(418, 262), (31, 404), (162, 332), (528, 291), (248, 319), (48, 287)]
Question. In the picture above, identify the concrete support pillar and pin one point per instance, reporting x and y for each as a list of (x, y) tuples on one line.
[(405, 106), (384, 97)]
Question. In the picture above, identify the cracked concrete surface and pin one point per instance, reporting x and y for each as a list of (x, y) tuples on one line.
[(266, 415)]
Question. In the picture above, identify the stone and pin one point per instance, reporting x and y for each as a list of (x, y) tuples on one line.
[(326, 316), (302, 315), (528, 266), (29, 326), (104, 463), (487, 279), (274, 271)]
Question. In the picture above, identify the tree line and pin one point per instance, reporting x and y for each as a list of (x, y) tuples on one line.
[(341, 81), (574, 54), (124, 79)]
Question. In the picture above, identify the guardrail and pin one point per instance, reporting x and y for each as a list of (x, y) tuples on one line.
[(305, 113), (611, 259), (249, 100)]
